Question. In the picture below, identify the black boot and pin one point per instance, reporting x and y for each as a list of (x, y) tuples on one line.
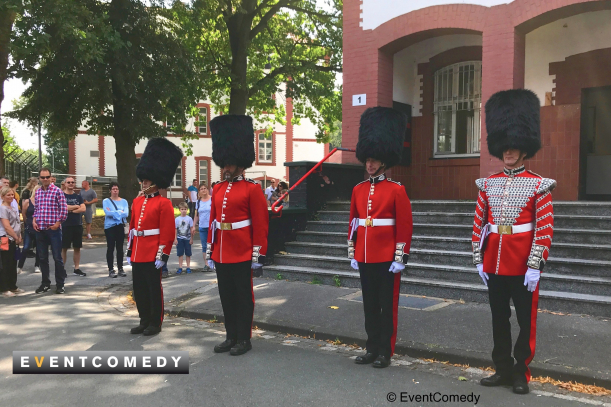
[(151, 330), (496, 380), (365, 359), (520, 385), (241, 348), (137, 330), (225, 346), (381, 362)]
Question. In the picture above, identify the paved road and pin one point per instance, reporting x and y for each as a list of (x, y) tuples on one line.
[(280, 370)]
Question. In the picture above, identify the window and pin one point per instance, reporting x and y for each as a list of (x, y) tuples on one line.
[(265, 148), (202, 121), (457, 105), (94, 153), (203, 171), (177, 182)]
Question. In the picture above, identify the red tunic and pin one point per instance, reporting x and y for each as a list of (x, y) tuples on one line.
[(151, 212), (380, 198), (514, 197), (237, 201)]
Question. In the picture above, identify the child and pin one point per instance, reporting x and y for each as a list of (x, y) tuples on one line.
[(184, 236)]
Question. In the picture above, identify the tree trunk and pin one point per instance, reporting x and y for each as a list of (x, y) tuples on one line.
[(126, 165), (239, 38), (7, 17)]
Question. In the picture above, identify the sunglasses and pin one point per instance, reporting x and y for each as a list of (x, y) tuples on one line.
[(70, 182), (45, 177)]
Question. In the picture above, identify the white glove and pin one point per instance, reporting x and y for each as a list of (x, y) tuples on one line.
[(159, 264), (484, 276), (256, 265), (354, 264), (211, 264), (531, 279), (396, 267), (128, 260)]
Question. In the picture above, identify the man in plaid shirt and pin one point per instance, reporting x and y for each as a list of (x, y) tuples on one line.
[(51, 210)]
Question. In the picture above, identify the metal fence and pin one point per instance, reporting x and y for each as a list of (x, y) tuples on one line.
[(18, 166)]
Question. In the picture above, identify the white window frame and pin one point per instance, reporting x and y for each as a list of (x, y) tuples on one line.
[(199, 119), (177, 176), (269, 146), (451, 101), (199, 171)]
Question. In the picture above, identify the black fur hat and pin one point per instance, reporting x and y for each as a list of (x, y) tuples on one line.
[(512, 121), (233, 140), (381, 135), (159, 161)]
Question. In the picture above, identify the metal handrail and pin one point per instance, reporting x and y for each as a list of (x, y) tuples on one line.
[(277, 210)]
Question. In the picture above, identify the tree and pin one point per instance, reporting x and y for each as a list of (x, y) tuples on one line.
[(250, 48), (57, 153), (116, 67), (8, 13)]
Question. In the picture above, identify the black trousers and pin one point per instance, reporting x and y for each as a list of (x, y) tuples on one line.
[(500, 290), (8, 268), (381, 305), (191, 206), (148, 293), (115, 236), (237, 298)]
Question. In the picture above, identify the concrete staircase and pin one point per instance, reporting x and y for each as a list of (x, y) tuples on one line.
[(577, 277)]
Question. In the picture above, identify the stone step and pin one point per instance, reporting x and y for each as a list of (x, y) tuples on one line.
[(336, 243), (587, 208), (561, 235), (595, 268), (561, 221), (558, 301)]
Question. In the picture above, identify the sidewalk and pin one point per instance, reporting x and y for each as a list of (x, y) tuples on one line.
[(569, 347)]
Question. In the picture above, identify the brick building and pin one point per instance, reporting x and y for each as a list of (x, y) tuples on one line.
[(440, 62)]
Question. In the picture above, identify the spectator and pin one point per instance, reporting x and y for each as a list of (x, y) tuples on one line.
[(89, 198), (49, 213), (14, 185), (202, 218), (53, 179), (116, 210), (6, 183), (72, 227), (184, 237), (62, 186), (27, 211), (270, 189), (282, 188), (28, 192), (191, 193), (10, 229)]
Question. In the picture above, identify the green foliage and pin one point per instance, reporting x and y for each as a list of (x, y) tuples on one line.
[(279, 276), (337, 281), (316, 280), (253, 49)]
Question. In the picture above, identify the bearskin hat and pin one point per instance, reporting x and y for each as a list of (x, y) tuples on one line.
[(233, 140), (512, 121), (159, 161), (381, 135)]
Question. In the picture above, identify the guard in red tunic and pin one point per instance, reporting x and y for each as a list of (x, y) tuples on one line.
[(152, 231), (239, 222), (512, 232), (380, 230)]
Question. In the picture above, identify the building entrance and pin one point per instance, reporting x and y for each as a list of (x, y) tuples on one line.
[(596, 143)]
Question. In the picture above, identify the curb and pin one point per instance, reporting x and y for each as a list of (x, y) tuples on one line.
[(454, 356)]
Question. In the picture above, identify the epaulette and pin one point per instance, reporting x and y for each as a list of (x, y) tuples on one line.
[(547, 184), (252, 181), (534, 173), (481, 184), (396, 182)]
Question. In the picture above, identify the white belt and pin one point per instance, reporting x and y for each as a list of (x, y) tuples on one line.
[(511, 230), (377, 222), (233, 226), (149, 232)]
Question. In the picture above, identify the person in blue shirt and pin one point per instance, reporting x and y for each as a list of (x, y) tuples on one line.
[(192, 198), (202, 218), (116, 210)]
